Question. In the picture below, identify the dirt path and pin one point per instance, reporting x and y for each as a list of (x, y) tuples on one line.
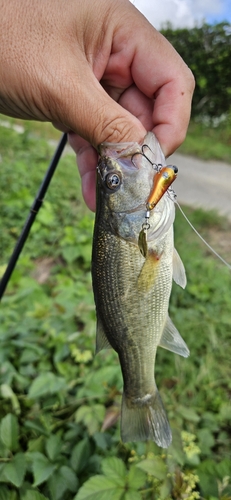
[(203, 184)]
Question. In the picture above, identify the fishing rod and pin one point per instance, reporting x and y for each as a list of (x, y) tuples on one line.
[(33, 212)]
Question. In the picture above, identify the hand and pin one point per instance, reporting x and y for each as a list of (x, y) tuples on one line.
[(97, 70)]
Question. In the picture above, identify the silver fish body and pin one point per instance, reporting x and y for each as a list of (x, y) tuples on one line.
[(131, 290)]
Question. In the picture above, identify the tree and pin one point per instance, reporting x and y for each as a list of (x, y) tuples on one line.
[(207, 51)]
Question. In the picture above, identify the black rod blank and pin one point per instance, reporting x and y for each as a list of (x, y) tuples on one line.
[(33, 212)]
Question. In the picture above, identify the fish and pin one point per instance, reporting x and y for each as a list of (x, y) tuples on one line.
[(133, 264)]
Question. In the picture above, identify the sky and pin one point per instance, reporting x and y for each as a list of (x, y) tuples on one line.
[(184, 13)]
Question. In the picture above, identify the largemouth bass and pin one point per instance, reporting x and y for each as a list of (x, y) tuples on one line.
[(132, 272)]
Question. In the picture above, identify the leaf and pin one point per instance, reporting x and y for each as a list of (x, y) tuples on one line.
[(80, 455), (223, 468), (8, 393), (91, 416), (45, 384), (61, 481), (175, 451), (188, 414), (136, 477), (99, 488), (9, 432), (41, 467), (154, 466), (36, 444), (115, 470), (6, 494), (70, 477), (53, 446), (165, 488), (206, 440), (32, 495), (132, 495), (15, 470)]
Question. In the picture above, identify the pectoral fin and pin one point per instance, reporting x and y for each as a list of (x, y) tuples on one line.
[(148, 272), (101, 339), (179, 274), (172, 340)]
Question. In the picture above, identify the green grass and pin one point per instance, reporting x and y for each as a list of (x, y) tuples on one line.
[(208, 142), (203, 140), (55, 395)]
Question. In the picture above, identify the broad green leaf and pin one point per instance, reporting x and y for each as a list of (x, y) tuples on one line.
[(136, 477), (99, 488), (165, 488), (36, 444), (61, 481), (206, 440), (15, 470), (175, 451), (70, 477), (8, 393), (37, 427), (6, 494), (45, 384), (42, 468), (154, 466), (115, 470), (188, 414), (9, 432), (53, 446), (92, 416), (224, 468), (80, 455), (32, 495), (132, 495)]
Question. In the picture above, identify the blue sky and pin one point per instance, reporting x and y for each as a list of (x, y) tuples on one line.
[(184, 13)]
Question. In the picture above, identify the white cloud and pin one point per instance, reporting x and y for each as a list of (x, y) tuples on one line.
[(181, 13)]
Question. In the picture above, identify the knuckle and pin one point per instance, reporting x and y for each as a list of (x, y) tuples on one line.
[(112, 129)]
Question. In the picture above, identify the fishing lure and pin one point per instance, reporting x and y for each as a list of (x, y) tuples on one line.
[(163, 179)]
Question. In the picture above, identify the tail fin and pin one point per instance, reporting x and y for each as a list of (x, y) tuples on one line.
[(145, 419)]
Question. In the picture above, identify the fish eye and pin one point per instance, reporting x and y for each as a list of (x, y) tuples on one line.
[(113, 181)]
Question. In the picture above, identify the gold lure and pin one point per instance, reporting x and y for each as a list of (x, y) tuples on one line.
[(161, 182)]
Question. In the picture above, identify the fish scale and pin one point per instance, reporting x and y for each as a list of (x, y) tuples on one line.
[(132, 291)]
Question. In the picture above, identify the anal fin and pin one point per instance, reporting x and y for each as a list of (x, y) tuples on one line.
[(101, 340), (172, 340)]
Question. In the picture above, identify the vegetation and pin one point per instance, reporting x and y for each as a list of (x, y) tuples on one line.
[(207, 51), (60, 405), (208, 142)]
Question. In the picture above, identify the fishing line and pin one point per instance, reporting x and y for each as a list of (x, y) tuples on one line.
[(201, 237)]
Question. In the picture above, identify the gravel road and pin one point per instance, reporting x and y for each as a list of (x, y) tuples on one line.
[(205, 184)]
